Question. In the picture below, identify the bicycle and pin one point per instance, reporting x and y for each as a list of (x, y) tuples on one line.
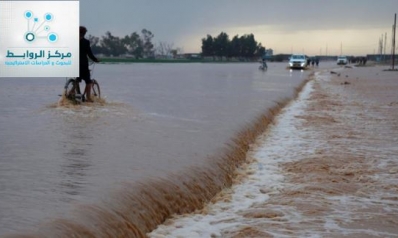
[(263, 66), (73, 93)]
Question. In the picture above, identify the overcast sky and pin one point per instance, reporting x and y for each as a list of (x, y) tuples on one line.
[(287, 26)]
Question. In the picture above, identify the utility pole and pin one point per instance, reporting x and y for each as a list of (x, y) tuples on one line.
[(341, 48), (381, 48), (393, 41), (385, 45), (392, 36), (326, 50)]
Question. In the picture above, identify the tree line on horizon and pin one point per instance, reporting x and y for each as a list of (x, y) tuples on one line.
[(136, 45), (240, 47), (141, 46)]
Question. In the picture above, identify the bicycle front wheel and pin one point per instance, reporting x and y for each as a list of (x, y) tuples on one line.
[(96, 91), (70, 89)]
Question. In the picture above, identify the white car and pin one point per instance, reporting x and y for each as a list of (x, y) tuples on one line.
[(297, 61), (342, 60)]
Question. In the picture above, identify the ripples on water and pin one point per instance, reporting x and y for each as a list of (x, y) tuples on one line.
[(166, 142)]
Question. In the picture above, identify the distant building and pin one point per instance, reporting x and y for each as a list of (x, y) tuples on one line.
[(381, 57), (193, 56)]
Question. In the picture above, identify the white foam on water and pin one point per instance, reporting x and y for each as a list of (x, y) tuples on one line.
[(281, 144), (287, 141), (101, 108)]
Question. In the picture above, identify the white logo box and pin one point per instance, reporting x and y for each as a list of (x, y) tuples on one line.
[(39, 38)]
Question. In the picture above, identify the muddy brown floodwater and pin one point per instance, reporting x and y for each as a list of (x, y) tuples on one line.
[(327, 167), (166, 141)]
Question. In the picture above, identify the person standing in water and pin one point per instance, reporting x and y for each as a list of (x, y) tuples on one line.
[(84, 52), (264, 63)]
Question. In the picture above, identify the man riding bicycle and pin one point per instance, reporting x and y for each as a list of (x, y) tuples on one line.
[(84, 71), (264, 63)]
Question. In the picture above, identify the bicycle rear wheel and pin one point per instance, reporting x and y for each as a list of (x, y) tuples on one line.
[(96, 91)]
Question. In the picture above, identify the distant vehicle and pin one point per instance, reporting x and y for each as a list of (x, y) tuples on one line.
[(297, 61), (342, 60)]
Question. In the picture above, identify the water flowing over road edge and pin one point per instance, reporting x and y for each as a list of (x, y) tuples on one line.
[(328, 167), (137, 208)]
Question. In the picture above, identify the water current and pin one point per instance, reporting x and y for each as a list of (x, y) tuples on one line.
[(161, 123)]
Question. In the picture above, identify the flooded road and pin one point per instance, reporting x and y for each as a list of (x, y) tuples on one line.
[(159, 119), (327, 167)]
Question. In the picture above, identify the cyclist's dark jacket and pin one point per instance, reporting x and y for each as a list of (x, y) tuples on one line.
[(85, 50)]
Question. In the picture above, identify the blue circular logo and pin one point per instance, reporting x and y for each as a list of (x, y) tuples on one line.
[(28, 14), (52, 37), (35, 31), (48, 17)]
